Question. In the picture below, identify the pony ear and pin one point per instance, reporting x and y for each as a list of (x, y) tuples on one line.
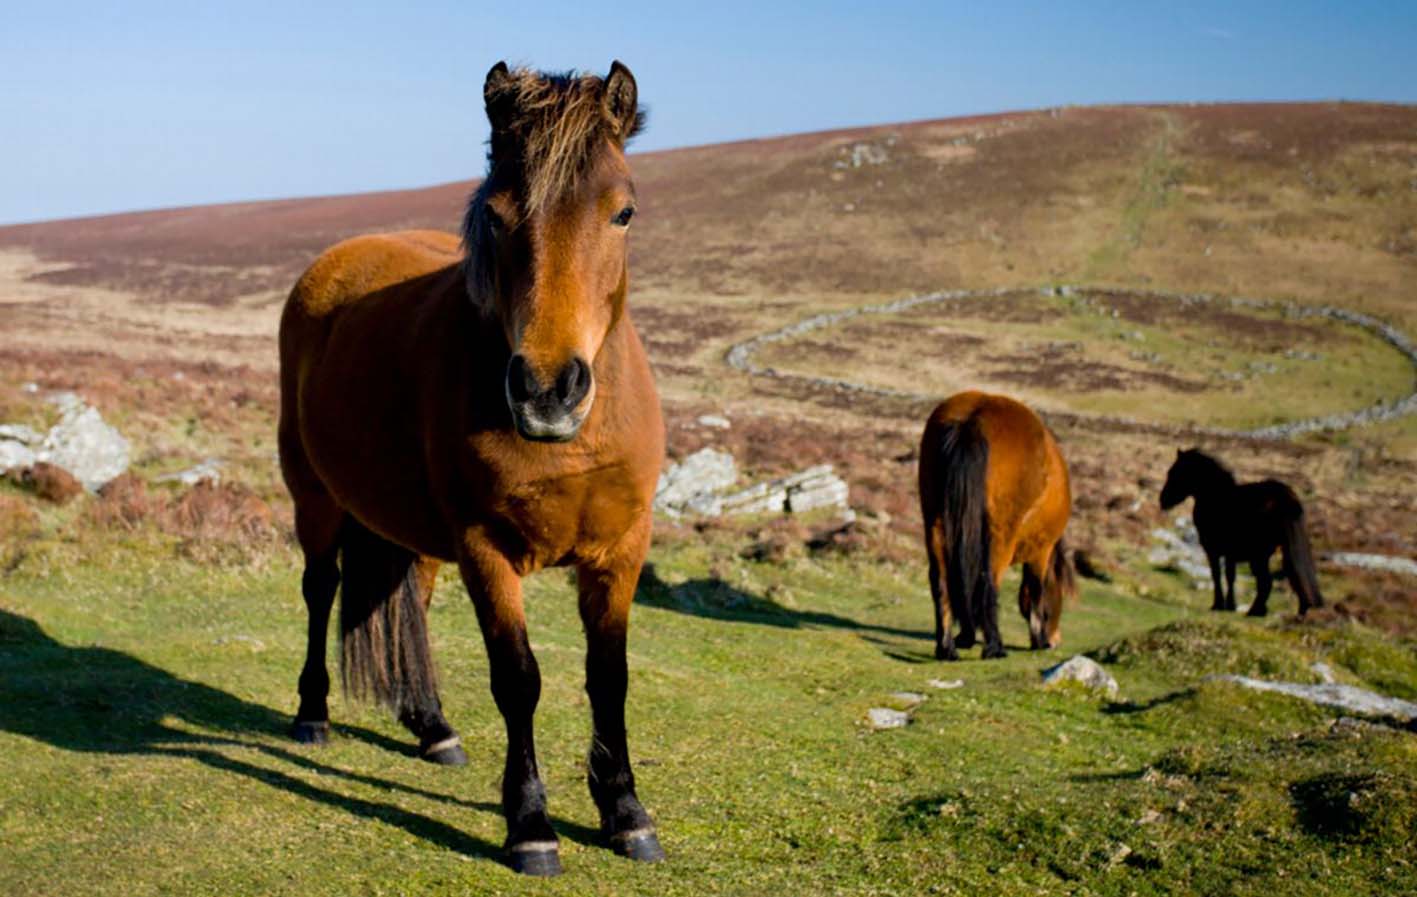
[(622, 101), (500, 105)]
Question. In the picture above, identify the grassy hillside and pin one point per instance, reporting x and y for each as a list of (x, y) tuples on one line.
[(143, 700)]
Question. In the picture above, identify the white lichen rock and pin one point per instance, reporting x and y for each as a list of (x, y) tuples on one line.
[(1083, 670)]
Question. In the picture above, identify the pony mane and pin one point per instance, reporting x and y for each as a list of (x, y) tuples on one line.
[(1210, 466), (552, 125)]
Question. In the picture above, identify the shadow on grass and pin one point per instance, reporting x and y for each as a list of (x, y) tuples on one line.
[(1123, 708), (102, 701), (714, 599)]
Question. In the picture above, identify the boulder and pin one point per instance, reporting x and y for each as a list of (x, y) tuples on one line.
[(886, 718), (1083, 670), (84, 444), (697, 479)]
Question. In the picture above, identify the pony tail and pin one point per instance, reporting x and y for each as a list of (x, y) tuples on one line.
[(1299, 562), (1060, 572), (963, 465), (384, 651)]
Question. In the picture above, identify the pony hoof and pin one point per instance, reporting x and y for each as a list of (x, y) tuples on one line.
[(640, 845), (447, 752), (946, 653), (993, 652), (964, 640), (536, 858), (308, 732), (1256, 611)]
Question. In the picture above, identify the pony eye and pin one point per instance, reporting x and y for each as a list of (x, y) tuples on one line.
[(623, 218)]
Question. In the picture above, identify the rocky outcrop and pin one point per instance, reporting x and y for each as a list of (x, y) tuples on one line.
[(81, 443), (701, 484)]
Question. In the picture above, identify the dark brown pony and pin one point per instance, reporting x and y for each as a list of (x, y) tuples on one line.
[(1244, 523), (993, 492), (495, 410)]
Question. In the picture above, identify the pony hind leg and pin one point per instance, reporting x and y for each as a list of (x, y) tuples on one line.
[(317, 523), (1264, 581), (385, 649), (438, 741), (945, 646)]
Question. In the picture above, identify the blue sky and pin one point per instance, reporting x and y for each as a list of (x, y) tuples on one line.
[(115, 106)]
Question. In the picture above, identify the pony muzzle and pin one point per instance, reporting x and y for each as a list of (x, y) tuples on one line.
[(549, 409)]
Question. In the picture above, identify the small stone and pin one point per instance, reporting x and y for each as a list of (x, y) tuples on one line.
[(882, 718), (207, 471), (908, 698), (1323, 671), (715, 421), (945, 683)]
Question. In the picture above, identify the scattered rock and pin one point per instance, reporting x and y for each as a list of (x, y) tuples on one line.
[(1083, 670), (1384, 562), (881, 718), (1323, 671), (1178, 548), (83, 443), (15, 455), (715, 421), (208, 471), (945, 683), (22, 434), (694, 483), (1342, 697), (698, 485), (911, 699)]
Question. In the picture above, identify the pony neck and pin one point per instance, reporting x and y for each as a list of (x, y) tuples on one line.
[(1211, 478)]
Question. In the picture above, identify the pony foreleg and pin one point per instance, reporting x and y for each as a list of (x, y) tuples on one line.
[(496, 594), (1030, 605), (605, 598)]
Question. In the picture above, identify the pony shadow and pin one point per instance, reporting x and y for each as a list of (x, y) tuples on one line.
[(1124, 708), (714, 599), (97, 700)]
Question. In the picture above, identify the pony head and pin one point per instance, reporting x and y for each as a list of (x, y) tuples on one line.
[(546, 234)]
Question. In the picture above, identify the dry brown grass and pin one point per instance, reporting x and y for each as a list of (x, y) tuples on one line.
[(49, 482), (211, 522)]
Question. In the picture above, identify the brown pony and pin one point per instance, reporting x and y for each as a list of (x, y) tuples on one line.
[(495, 410), (993, 492)]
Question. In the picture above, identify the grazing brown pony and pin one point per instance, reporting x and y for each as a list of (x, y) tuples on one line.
[(495, 410), (1244, 522), (993, 492)]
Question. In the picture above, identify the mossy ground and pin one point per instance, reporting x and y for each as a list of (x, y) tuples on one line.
[(143, 700)]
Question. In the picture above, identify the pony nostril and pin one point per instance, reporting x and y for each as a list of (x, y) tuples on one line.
[(522, 385), (573, 383)]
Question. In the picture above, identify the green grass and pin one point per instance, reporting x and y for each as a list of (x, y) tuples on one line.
[(143, 700)]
